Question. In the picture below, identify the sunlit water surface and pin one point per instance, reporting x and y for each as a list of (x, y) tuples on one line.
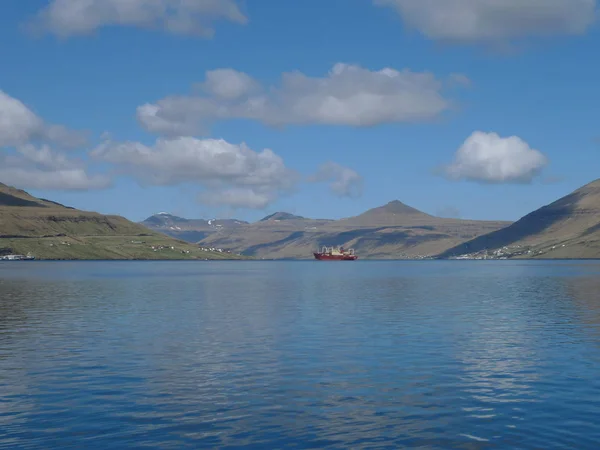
[(169, 355)]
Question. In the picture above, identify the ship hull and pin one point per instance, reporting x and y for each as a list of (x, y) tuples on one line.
[(326, 257)]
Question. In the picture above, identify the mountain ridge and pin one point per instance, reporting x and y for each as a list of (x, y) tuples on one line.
[(189, 230), (281, 215), (50, 230), (392, 230), (568, 227), (565, 228)]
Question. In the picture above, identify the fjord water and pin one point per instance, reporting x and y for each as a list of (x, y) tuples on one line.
[(431, 354)]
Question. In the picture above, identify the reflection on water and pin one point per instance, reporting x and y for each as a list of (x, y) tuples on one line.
[(429, 355)]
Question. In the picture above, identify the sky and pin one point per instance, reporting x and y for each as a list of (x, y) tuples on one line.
[(479, 109)]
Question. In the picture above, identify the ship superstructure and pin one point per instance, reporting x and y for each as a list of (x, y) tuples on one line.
[(335, 254)]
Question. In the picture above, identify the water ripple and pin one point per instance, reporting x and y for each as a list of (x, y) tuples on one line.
[(430, 355)]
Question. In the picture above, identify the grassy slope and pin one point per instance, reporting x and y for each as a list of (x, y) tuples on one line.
[(108, 247), (52, 231), (567, 228)]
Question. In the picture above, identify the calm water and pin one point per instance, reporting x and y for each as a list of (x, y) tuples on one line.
[(169, 355)]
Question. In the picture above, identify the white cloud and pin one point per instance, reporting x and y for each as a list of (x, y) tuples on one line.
[(64, 179), (491, 20), (32, 167), (343, 181), (349, 95), (28, 161), (229, 84), (191, 17), (19, 125), (489, 158), (234, 175)]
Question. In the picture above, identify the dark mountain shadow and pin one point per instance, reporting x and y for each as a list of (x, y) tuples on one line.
[(591, 230), (281, 216), (251, 251), (6, 251), (365, 238), (11, 200), (190, 237), (338, 239), (56, 203), (422, 227), (407, 239)]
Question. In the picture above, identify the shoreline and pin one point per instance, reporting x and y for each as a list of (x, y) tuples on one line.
[(249, 259)]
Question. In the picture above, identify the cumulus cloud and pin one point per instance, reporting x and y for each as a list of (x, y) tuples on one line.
[(343, 181), (491, 20), (33, 167), (489, 158), (27, 159), (348, 95), (20, 125), (190, 17), (229, 84), (234, 175)]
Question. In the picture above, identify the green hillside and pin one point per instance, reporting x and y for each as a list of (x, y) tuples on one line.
[(49, 230)]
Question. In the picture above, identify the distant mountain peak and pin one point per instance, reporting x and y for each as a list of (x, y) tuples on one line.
[(281, 216), (163, 218), (397, 207), (394, 213), (168, 215)]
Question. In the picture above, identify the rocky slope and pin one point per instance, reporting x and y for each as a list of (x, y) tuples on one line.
[(566, 228), (53, 231), (392, 231)]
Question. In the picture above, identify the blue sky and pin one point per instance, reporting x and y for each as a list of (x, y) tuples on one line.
[(453, 107)]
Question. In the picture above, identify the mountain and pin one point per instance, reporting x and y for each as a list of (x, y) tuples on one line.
[(50, 230), (566, 228), (190, 230), (395, 213), (282, 216), (391, 231)]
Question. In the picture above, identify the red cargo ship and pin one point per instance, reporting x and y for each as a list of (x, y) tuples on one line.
[(333, 254)]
